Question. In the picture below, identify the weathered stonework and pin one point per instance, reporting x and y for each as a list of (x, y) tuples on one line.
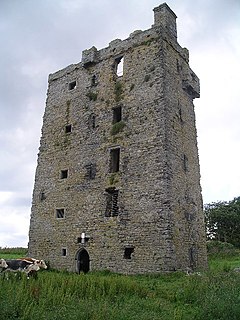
[(117, 182)]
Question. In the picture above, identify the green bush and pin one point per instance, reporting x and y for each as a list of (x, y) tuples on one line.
[(221, 248)]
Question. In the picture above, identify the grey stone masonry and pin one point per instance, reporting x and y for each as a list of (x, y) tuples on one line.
[(117, 183)]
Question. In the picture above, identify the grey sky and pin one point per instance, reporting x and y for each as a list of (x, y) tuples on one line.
[(41, 37)]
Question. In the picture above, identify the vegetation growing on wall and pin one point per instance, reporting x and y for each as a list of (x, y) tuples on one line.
[(118, 90), (117, 127)]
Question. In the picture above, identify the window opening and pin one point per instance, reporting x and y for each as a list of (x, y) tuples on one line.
[(117, 114), (114, 159), (64, 252), (60, 213), (90, 171), (72, 85), (68, 128), (185, 163), (94, 80), (92, 121), (128, 253), (111, 202), (42, 196), (119, 66), (64, 174)]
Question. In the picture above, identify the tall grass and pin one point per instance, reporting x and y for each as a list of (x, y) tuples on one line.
[(99, 295)]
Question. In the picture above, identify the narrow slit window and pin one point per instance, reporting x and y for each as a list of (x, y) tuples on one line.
[(72, 85), (119, 66), (60, 213), (94, 80), (117, 114), (90, 171), (114, 159), (64, 252), (68, 128), (128, 253), (64, 174), (92, 121), (185, 163)]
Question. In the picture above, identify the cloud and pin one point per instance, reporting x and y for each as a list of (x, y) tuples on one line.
[(42, 37)]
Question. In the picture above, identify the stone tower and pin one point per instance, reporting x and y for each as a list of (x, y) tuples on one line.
[(117, 183)]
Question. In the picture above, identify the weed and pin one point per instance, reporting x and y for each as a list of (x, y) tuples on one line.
[(114, 178), (118, 90), (117, 127), (104, 295), (92, 96)]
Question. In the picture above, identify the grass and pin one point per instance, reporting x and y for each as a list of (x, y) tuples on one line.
[(214, 295)]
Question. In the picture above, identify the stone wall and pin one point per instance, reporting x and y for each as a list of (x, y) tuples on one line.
[(118, 159)]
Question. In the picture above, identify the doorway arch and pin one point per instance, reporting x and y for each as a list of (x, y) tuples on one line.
[(83, 261)]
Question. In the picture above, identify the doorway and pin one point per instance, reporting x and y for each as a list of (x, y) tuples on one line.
[(83, 261)]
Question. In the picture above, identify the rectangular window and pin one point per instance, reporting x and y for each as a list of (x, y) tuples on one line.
[(68, 128), (72, 85), (114, 159), (117, 114), (185, 163), (119, 66), (42, 196), (64, 252), (128, 253), (64, 174), (60, 213), (90, 171), (111, 202)]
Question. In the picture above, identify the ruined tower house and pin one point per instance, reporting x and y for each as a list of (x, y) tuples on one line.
[(117, 183)]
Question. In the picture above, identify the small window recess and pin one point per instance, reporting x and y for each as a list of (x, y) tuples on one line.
[(90, 171), (60, 213), (92, 121), (112, 209), (114, 160), (42, 196), (72, 85), (117, 114), (64, 252), (185, 163), (119, 66), (128, 253), (94, 81), (68, 128), (64, 174)]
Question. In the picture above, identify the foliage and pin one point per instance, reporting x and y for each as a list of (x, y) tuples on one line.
[(223, 221), (92, 96), (104, 295), (18, 250), (118, 90), (117, 127), (218, 248)]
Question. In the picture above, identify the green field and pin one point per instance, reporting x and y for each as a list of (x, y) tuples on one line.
[(213, 295)]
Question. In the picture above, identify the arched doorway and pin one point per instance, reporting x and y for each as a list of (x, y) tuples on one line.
[(83, 261)]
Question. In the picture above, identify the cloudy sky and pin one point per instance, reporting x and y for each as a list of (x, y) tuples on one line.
[(43, 36)]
